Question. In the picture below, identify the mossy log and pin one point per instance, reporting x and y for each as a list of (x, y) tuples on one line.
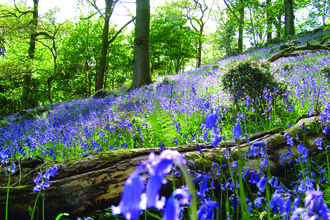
[(95, 182), (310, 47)]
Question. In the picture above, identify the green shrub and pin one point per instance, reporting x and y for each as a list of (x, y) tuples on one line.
[(247, 77), (325, 70)]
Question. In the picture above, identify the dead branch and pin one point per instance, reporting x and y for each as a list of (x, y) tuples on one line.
[(288, 52)]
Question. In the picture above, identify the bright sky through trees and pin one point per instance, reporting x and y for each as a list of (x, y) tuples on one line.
[(69, 9)]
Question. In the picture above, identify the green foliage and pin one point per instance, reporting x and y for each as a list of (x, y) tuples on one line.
[(325, 70), (247, 77), (171, 41)]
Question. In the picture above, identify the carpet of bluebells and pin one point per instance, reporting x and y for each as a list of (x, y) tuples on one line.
[(192, 108)]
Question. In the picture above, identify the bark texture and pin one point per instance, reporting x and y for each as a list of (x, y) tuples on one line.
[(105, 44), (289, 18), (95, 182), (141, 65), (32, 46)]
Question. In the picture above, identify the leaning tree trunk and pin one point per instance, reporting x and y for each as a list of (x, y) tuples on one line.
[(95, 182), (105, 44), (141, 62), (32, 46)]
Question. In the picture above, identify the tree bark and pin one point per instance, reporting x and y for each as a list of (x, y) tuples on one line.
[(241, 26), (105, 43), (289, 18), (269, 15), (95, 182), (141, 63), (33, 38)]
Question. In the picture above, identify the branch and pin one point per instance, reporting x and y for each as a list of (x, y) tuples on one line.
[(120, 30), (95, 6)]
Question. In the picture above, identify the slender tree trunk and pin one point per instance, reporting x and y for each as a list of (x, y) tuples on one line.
[(200, 44), (289, 17), (33, 37), (141, 65), (49, 84), (278, 25), (105, 43), (241, 26), (269, 19)]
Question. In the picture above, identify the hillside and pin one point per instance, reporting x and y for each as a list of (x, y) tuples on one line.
[(172, 111)]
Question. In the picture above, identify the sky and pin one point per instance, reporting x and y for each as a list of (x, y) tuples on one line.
[(68, 8)]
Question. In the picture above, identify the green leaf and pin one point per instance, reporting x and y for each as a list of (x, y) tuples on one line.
[(60, 215)]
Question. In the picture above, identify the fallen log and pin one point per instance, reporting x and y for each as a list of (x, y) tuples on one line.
[(310, 47), (96, 181)]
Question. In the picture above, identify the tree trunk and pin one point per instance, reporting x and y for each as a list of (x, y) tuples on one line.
[(96, 181), (241, 26), (289, 18), (33, 37), (105, 44), (278, 25), (141, 64), (199, 49), (269, 19)]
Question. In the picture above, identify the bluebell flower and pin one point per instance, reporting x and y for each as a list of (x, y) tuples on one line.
[(172, 206), (258, 201), (289, 140), (319, 142), (277, 202), (203, 187), (204, 137), (247, 139), (129, 205), (237, 133), (287, 206), (326, 129), (215, 140), (315, 207), (302, 150), (12, 168), (157, 173), (206, 211), (54, 171), (176, 141), (302, 187), (161, 146), (256, 179), (309, 183), (247, 171), (262, 184), (249, 207), (211, 120), (252, 176), (199, 148)]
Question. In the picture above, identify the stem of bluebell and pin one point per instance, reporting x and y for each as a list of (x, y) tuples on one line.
[(7, 196), (191, 187), (35, 204)]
